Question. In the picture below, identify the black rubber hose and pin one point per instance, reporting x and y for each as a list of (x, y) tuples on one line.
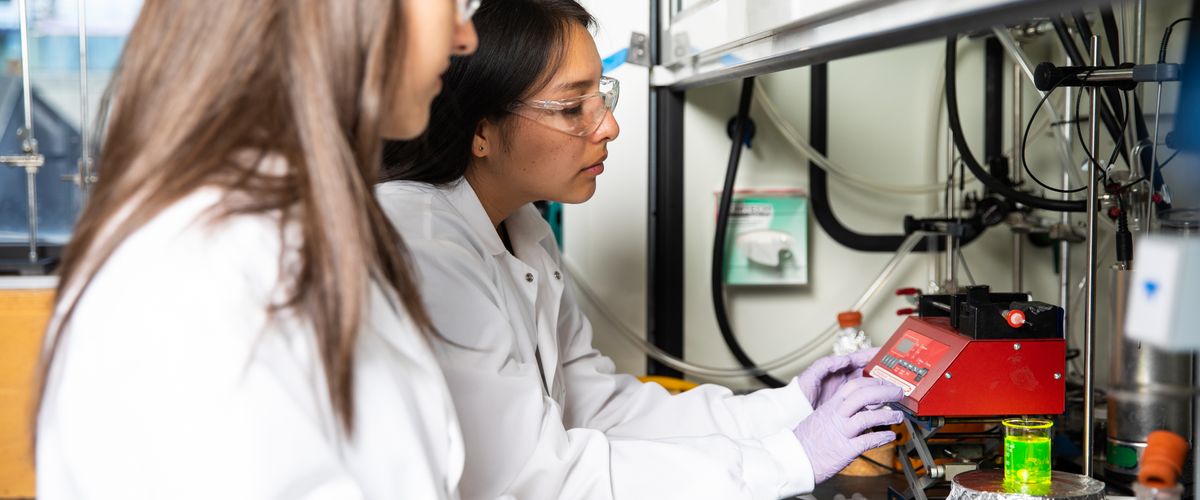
[(718, 253), (818, 184), (964, 150), (993, 104)]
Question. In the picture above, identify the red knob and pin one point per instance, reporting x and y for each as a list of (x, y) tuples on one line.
[(905, 312), (908, 291), (1114, 212), (1015, 318)]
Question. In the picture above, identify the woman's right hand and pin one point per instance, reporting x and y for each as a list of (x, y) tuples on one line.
[(833, 435)]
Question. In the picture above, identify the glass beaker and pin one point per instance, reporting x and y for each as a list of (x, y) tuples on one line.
[(1027, 450)]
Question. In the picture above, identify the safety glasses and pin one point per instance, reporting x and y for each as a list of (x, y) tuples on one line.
[(466, 9), (577, 116)]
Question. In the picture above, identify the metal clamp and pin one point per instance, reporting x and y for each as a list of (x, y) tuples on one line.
[(27, 162)]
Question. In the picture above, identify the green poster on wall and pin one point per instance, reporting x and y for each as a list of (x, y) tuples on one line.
[(767, 242)]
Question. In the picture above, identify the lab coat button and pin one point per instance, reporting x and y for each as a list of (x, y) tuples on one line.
[(557, 275), (529, 277)]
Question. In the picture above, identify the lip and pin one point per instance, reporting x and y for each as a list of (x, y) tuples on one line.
[(595, 168)]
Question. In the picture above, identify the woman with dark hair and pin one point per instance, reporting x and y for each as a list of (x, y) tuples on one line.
[(235, 316), (528, 118)]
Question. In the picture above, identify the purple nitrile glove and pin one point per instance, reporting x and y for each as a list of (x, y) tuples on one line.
[(832, 435), (823, 378)]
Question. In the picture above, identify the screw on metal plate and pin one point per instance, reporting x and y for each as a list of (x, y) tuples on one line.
[(947, 375), (1017, 347), (639, 50), (1057, 376)]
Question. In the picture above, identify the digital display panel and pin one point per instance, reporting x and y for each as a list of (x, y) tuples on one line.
[(904, 345)]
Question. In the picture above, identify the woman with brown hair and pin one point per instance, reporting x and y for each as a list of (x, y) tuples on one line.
[(233, 298), (544, 413)]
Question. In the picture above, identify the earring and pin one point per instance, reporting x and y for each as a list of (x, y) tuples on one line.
[(481, 148)]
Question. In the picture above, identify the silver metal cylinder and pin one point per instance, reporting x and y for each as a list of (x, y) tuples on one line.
[(1089, 335), (1134, 364)]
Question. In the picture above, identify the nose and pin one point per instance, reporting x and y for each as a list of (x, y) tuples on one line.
[(465, 39), (608, 130)]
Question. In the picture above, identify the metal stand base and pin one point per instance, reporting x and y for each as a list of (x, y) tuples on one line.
[(921, 430)]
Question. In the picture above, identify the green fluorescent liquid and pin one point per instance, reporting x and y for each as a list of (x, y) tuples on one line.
[(1026, 459)]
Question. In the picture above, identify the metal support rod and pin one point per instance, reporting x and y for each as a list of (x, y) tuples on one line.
[(1017, 263), (951, 283), (85, 148), (27, 95), (1018, 172), (1064, 246), (28, 143), (951, 253), (1139, 29), (1153, 167), (31, 190), (1089, 336)]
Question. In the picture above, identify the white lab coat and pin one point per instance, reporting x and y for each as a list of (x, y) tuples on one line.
[(572, 428), (172, 382)]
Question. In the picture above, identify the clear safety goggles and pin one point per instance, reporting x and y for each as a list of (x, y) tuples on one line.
[(466, 9), (578, 116)]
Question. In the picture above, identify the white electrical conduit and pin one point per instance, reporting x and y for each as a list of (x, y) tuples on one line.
[(690, 368)]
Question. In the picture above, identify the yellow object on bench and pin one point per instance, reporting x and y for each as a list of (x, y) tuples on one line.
[(23, 317), (671, 384)]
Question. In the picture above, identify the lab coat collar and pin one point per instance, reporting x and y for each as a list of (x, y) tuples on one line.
[(523, 225), (462, 196)]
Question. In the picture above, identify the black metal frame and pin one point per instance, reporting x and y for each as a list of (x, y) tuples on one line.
[(664, 269)]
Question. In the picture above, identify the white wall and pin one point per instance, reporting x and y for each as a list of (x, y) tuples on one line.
[(606, 237), (883, 109)]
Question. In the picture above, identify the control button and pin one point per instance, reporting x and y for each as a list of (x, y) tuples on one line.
[(917, 378)]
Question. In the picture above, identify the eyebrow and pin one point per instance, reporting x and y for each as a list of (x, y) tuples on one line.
[(579, 85)]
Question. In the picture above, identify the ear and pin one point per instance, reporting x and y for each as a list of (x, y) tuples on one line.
[(483, 142)]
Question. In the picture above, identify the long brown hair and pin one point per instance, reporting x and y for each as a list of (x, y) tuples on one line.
[(201, 83)]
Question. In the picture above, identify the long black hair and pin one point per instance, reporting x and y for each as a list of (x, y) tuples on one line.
[(521, 44)]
